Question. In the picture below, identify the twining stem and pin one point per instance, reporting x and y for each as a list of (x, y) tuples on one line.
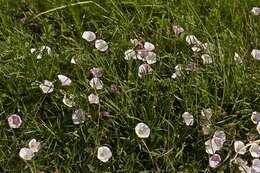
[(69, 5)]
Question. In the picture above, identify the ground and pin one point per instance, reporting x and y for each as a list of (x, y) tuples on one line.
[(230, 89)]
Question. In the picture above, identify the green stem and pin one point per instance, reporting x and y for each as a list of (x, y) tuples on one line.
[(70, 5)]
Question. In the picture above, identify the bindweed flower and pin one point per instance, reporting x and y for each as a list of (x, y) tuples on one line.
[(46, 48), (73, 61), (68, 100), (47, 86), (142, 54), (104, 114), (178, 72), (97, 72), (142, 130), (214, 160), (207, 113), (255, 117), (188, 118), (33, 50), (196, 49), (258, 127), (93, 99), (177, 29), (14, 121), (26, 154), (135, 42), (149, 46), (256, 54), (207, 59), (237, 58), (34, 145), (131, 54), (144, 69), (254, 150), (221, 135), (151, 58), (65, 81), (104, 154), (192, 40), (113, 88), (101, 45), (41, 51), (190, 67), (79, 116), (255, 10), (89, 36), (239, 147), (256, 165), (96, 83), (210, 148)]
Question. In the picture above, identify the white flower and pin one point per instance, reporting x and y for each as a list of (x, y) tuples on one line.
[(256, 54), (78, 117), (144, 69), (188, 118), (196, 49), (74, 61), (68, 100), (93, 99), (207, 113), (142, 130), (207, 59), (255, 117), (151, 58), (149, 46), (47, 86), (238, 58), (65, 81), (214, 160), (14, 121), (39, 56), (177, 29), (134, 41), (89, 36), (258, 127), (96, 83), (26, 153), (210, 149), (221, 135), (34, 145), (33, 50), (131, 54), (192, 40), (104, 154), (255, 10), (254, 150), (101, 45), (239, 147), (256, 165), (178, 72), (47, 48)]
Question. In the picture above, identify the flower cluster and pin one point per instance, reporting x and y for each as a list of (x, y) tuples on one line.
[(142, 51), (28, 153), (213, 145)]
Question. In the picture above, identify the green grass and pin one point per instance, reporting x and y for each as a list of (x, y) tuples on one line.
[(157, 100)]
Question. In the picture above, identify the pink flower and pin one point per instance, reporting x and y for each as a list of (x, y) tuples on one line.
[(104, 113), (14, 121), (113, 88), (214, 160), (96, 72)]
